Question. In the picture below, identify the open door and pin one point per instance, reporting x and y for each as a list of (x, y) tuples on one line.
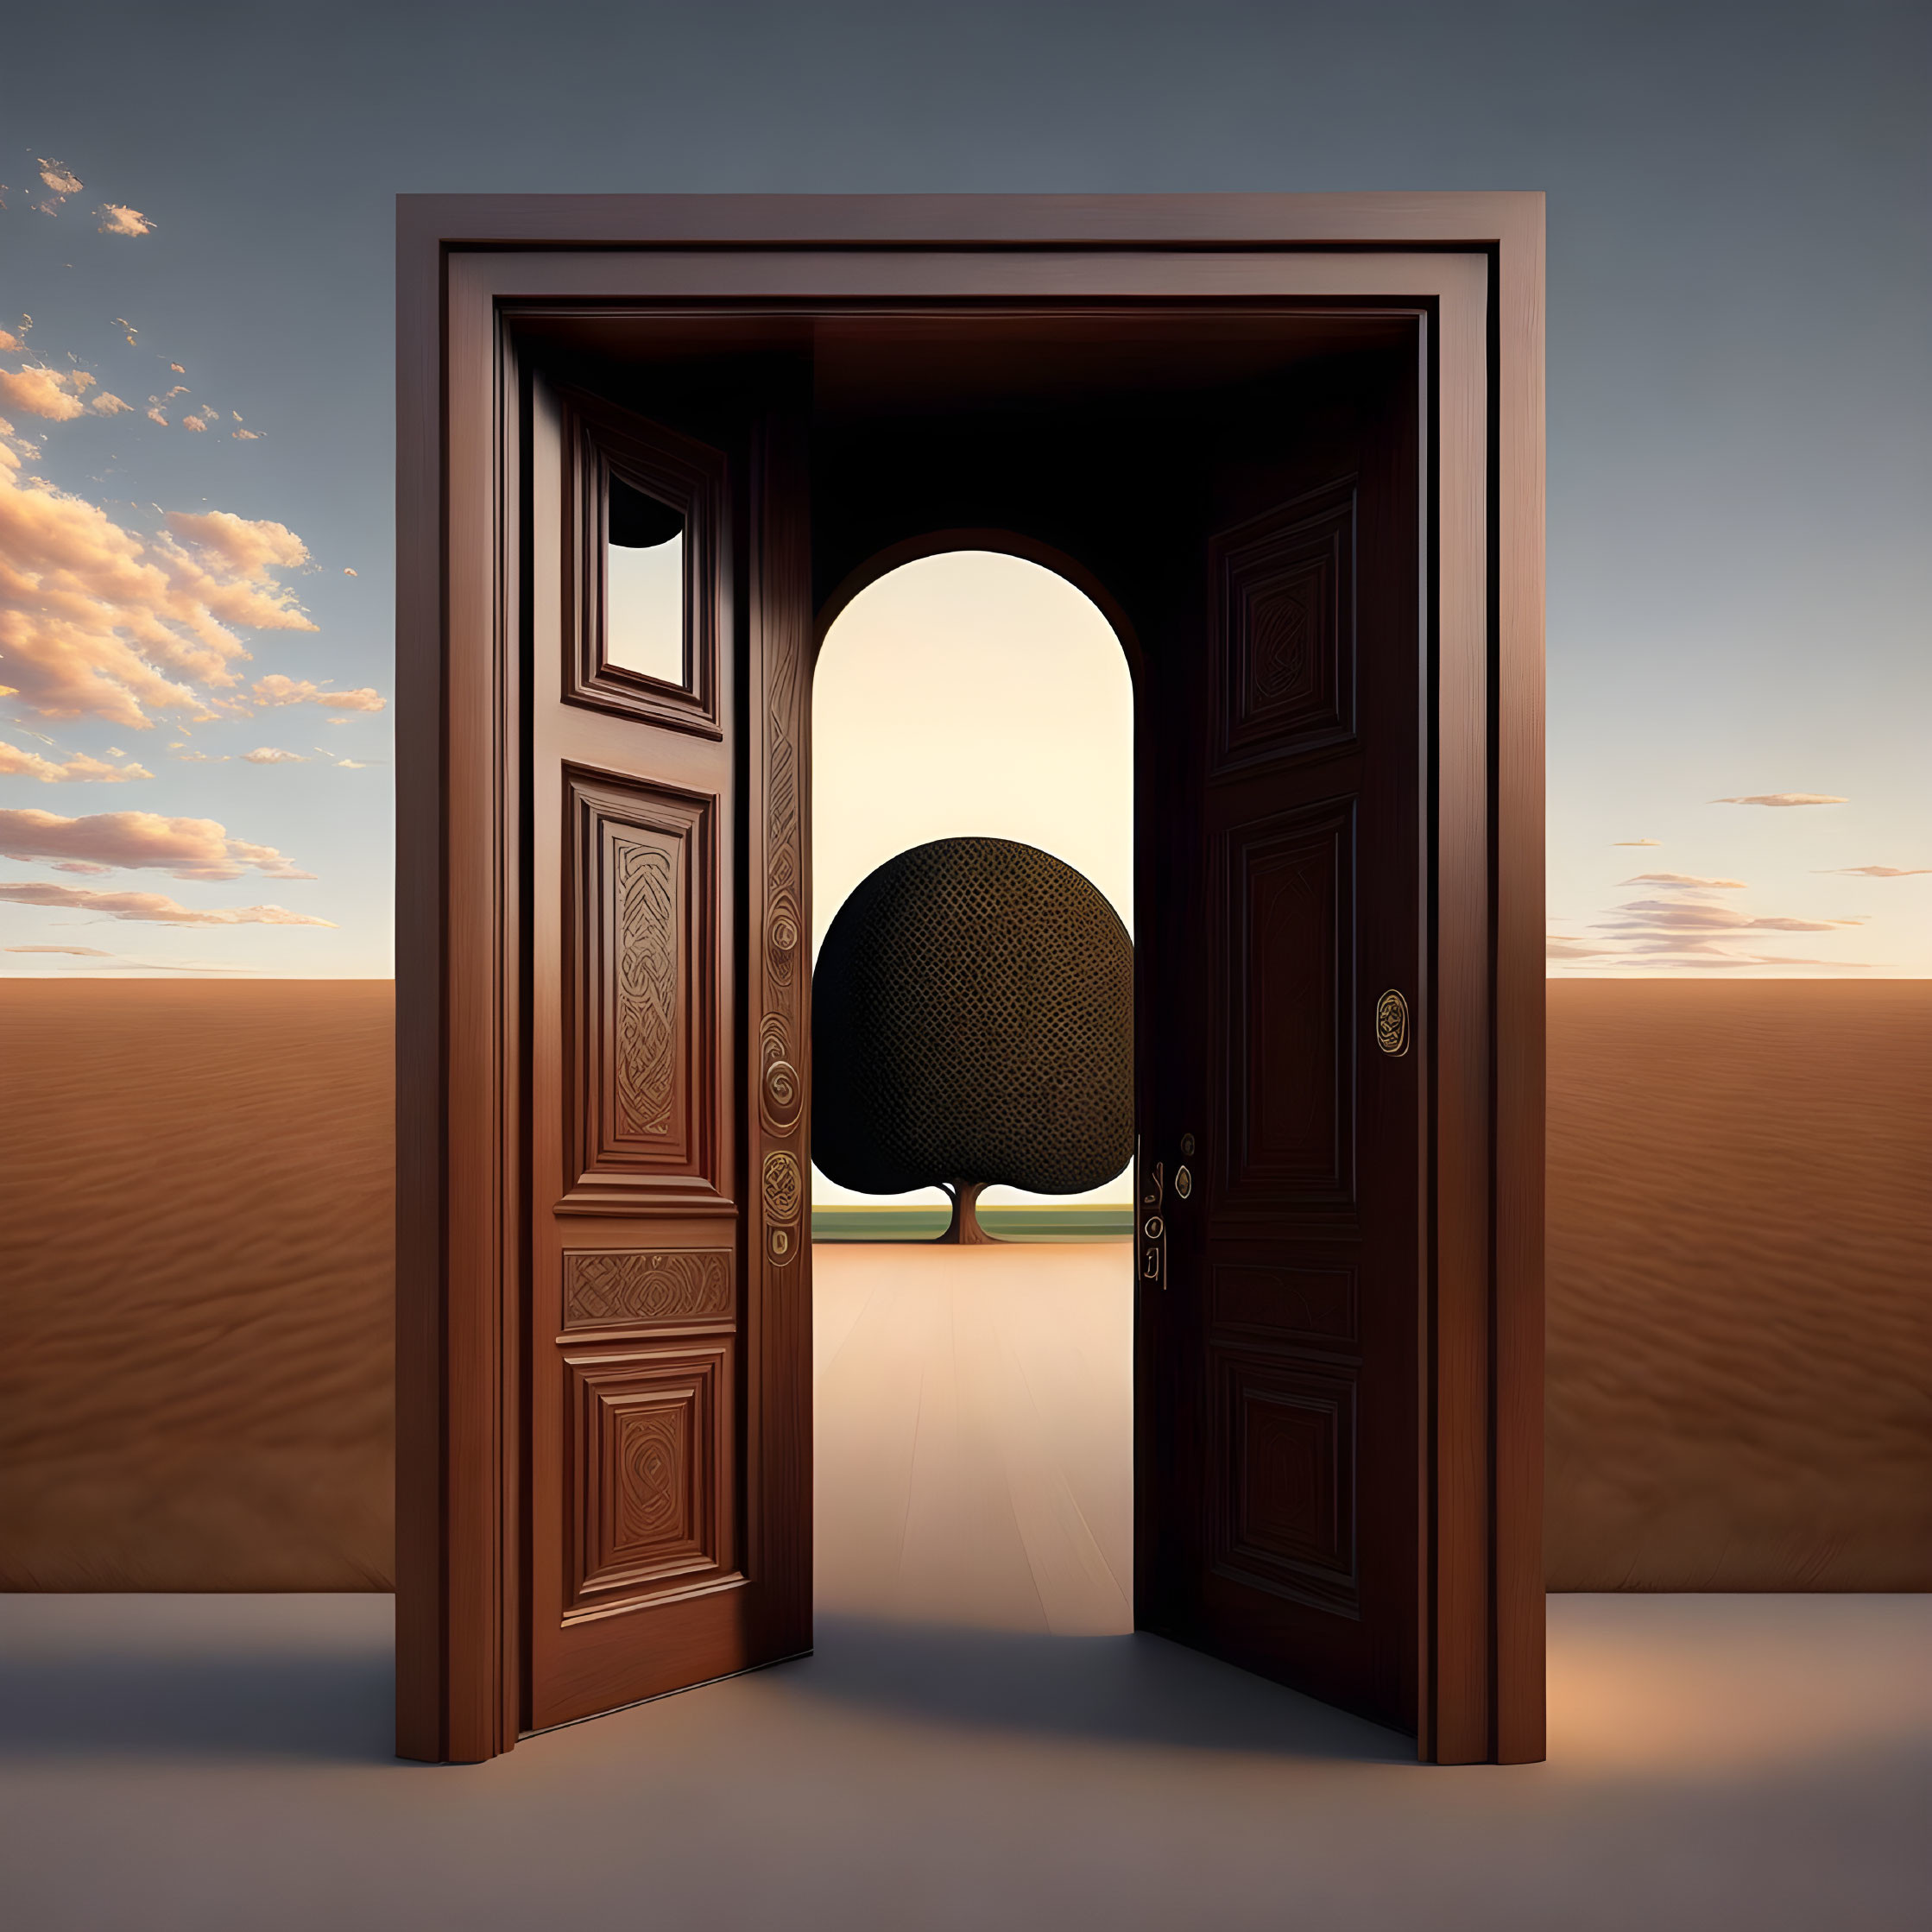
[(1281, 1186), (1298, 441), (667, 1445)]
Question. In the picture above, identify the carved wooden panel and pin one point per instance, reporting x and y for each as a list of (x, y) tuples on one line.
[(690, 478), (1308, 1305), (640, 1288), (641, 879), (648, 1477), (1283, 627), (1283, 1476), (1288, 927), (781, 963)]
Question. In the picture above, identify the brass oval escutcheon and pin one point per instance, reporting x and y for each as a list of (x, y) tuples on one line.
[(781, 1243), (1392, 1023), (784, 1190), (1154, 1228), (1183, 1183)]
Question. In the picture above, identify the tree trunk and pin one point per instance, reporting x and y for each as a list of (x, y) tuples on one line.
[(965, 1230)]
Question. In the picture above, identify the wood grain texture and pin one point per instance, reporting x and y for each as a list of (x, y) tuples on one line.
[(1019, 248)]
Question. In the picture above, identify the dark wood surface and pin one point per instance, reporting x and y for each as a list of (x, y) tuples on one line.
[(1470, 262), (1279, 1523)]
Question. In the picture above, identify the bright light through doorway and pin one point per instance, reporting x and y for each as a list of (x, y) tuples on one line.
[(971, 693)]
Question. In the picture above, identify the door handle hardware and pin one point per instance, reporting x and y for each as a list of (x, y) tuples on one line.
[(1153, 1225)]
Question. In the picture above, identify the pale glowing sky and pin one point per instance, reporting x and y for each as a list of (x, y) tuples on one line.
[(196, 307), (971, 694)]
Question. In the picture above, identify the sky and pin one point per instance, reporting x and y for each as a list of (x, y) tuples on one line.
[(196, 588)]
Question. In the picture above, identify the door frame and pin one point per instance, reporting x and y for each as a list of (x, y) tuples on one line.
[(1475, 263)]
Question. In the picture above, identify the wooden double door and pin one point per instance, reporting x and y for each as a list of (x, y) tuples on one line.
[(1258, 541)]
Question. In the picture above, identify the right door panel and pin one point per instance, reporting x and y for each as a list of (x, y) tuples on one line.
[(1282, 1174)]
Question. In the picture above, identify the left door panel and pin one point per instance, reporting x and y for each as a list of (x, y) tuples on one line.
[(666, 1429)]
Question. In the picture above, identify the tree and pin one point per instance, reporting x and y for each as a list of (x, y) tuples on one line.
[(973, 1024)]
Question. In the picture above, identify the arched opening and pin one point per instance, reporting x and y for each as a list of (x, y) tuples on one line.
[(974, 1405)]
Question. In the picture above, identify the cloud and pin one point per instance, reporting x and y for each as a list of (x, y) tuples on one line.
[(9, 339), (347, 571), (108, 404), (96, 621), (62, 180), (246, 435), (1880, 871), (1635, 841), (194, 422), (267, 755), (17, 763), (80, 865), (346, 764), (1783, 799), (1673, 917), (122, 322), (156, 907), (1682, 878), (188, 848), (116, 220), (278, 690), (1559, 948), (53, 393), (154, 414), (79, 953)]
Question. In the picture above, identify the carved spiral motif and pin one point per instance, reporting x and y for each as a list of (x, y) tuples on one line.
[(1392, 1023)]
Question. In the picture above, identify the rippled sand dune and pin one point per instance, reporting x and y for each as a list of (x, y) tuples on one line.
[(195, 1285), (196, 1187), (1740, 1285)]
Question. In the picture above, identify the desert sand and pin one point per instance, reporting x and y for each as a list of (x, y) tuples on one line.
[(196, 1203), (195, 1285), (1739, 1285)]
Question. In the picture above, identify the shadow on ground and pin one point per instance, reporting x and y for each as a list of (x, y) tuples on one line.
[(336, 1706), (1123, 1690)]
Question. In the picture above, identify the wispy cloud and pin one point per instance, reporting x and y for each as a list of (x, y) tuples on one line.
[(268, 754), (1636, 842), (1672, 918), (97, 620), (1684, 879), (278, 690), (1783, 799), (59, 178), (17, 763), (1879, 871), (155, 907), (79, 952), (188, 848)]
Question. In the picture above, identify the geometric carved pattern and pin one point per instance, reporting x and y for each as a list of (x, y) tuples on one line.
[(648, 1473), (641, 984), (1289, 935), (1285, 1490), (646, 984), (1303, 1303), (643, 1288), (1284, 626)]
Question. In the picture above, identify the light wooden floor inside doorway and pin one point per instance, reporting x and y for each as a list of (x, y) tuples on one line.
[(974, 1434)]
